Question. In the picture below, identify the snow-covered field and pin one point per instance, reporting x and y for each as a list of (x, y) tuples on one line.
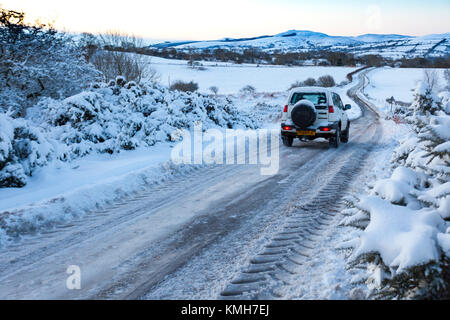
[(267, 79), (399, 83), (230, 78)]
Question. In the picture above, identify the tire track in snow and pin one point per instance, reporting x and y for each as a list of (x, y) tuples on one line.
[(285, 257)]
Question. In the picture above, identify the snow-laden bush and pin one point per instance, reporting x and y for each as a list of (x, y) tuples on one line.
[(23, 147), (183, 86), (405, 242), (248, 90), (124, 116), (326, 81), (107, 118), (37, 61), (426, 103)]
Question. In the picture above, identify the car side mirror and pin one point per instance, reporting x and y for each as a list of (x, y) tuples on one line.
[(347, 107)]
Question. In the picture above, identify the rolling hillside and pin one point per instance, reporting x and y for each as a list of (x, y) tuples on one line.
[(387, 45)]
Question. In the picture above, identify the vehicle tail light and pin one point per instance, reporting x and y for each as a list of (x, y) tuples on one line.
[(285, 108), (287, 128), (325, 129), (330, 109)]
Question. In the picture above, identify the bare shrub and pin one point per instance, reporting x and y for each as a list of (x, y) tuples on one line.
[(343, 83), (310, 82), (447, 78), (191, 63), (431, 78), (214, 89), (196, 65), (180, 85), (296, 84), (132, 67), (89, 43), (113, 61), (248, 89), (326, 81), (119, 39)]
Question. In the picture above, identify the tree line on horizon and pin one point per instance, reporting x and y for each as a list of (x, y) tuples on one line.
[(278, 57)]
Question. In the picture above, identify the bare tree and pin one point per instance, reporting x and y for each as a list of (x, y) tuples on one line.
[(114, 60), (122, 40), (214, 89), (89, 44), (447, 78), (431, 78), (296, 84), (248, 89), (326, 81), (310, 82)]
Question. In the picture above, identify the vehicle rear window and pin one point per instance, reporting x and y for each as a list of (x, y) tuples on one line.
[(314, 97)]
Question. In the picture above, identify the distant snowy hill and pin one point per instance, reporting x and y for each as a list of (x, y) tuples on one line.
[(388, 45), (370, 37)]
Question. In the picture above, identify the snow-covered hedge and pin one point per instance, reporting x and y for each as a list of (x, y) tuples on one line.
[(23, 147), (107, 118), (124, 116), (405, 242), (37, 61)]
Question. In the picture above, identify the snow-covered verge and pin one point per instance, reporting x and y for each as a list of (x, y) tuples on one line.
[(62, 192), (404, 237), (106, 119)]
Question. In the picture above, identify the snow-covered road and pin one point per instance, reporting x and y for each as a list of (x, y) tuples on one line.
[(217, 232)]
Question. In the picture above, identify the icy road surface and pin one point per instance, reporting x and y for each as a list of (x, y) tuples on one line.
[(220, 232)]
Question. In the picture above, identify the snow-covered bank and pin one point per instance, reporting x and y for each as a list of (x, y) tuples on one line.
[(404, 238), (61, 192), (62, 178), (374, 168)]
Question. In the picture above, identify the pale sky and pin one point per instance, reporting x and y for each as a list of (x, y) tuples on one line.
[(209, 19)]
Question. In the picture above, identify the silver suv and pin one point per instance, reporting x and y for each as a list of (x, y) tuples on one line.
[(314, 112)]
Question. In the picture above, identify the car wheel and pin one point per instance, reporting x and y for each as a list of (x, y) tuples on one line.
[(345, 134), (287, 141), (334, 141)]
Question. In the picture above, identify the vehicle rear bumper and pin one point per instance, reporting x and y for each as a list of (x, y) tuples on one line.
[(319, 131)]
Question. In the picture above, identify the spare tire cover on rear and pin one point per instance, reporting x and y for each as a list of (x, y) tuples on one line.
[(304, 113)]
